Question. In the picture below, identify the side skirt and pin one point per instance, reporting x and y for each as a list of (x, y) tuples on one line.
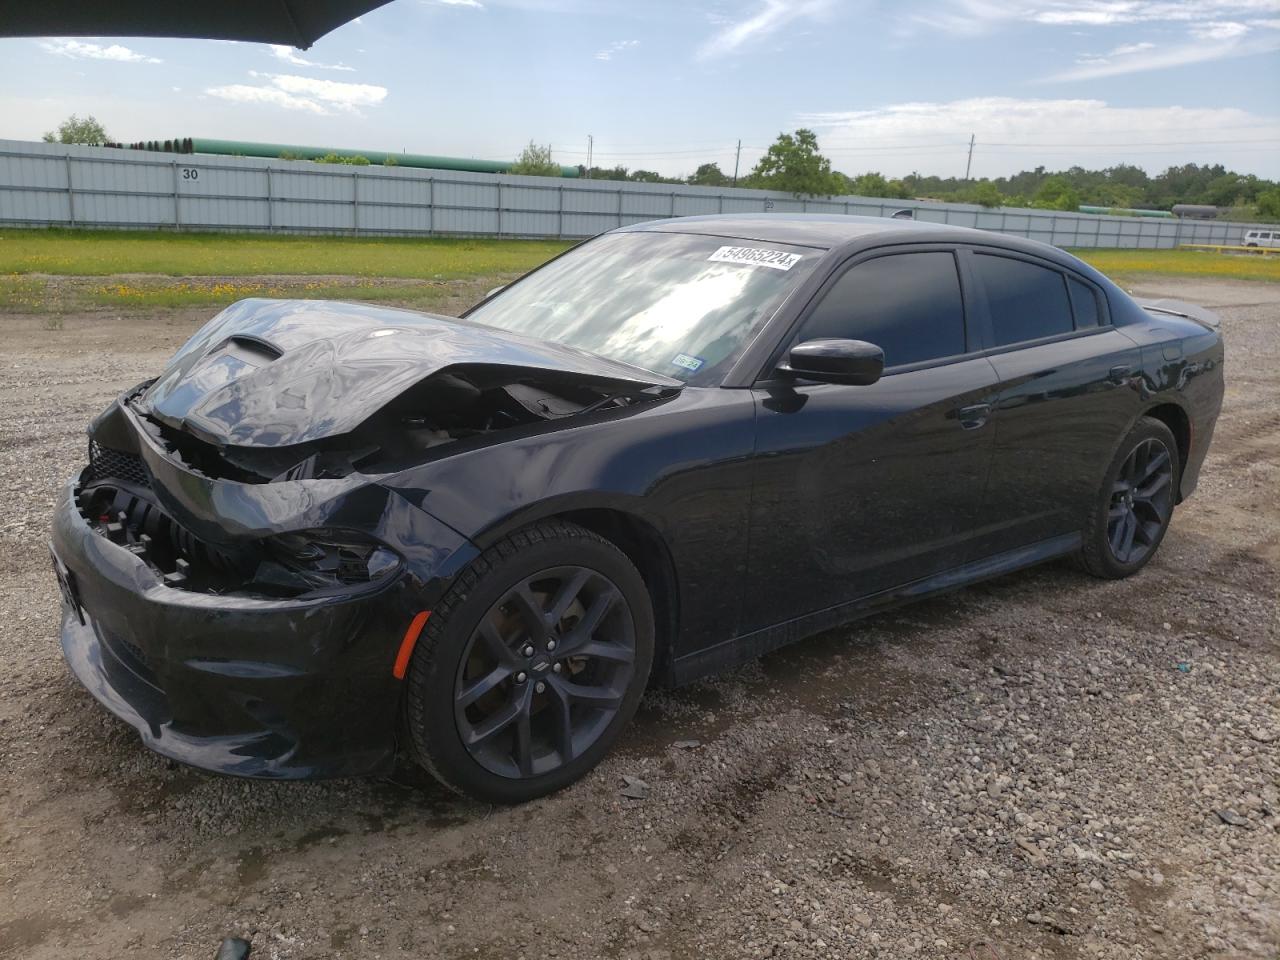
[(737, 650)]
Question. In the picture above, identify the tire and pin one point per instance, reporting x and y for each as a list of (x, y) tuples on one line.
[(505, 705), (1135, 503)]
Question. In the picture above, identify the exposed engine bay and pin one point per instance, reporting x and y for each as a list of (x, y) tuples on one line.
[(447, 407), (275, 392), (474, 406)]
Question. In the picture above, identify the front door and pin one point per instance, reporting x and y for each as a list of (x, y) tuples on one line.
[(858, 489)]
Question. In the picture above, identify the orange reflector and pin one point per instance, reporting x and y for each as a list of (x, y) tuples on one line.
[(408, 643)]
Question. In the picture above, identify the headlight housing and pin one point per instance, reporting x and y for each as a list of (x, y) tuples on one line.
[(326, 559)]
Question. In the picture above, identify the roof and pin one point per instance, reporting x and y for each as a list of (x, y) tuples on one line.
[(828, 231), (806, 229)]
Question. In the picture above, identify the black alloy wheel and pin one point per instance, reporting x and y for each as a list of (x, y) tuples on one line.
[(531, 664), (545, 672), (1133, 509), (1141, 502)]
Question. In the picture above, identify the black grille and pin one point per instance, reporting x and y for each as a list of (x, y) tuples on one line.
[(108, 464)]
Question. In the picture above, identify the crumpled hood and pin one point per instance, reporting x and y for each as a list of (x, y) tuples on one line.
[(275, 372)]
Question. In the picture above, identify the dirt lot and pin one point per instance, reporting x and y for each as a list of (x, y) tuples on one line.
[(1043, 766)]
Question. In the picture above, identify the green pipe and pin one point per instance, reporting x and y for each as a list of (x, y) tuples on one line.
[(245, 148), (1125, 212)]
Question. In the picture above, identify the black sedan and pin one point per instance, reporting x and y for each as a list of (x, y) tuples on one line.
[(330, 531)]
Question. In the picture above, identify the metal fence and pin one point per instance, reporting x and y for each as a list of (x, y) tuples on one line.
[(43, 185)]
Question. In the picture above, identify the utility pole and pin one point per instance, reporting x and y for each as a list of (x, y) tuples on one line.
[(736, 158), (969, 163), (591, 142)]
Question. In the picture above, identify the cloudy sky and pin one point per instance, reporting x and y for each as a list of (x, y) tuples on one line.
[(668, 84)]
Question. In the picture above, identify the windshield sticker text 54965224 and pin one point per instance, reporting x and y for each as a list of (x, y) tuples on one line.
[(692, 364), (757, 257)]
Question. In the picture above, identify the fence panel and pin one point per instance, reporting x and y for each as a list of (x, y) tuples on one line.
[(44, 184)]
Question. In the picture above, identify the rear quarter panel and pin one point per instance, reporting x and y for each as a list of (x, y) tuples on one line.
[(1182, 363)]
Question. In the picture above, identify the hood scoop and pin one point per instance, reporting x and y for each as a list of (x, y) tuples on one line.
[(267, 373)]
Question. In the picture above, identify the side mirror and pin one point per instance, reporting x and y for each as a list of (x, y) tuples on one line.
[(853, 362)]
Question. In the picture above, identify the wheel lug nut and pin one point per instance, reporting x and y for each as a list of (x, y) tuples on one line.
[(539, 687), (557, 667), (521, 677), (551, 644), (528, 650)]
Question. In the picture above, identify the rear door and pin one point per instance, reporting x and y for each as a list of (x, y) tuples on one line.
[(860, 488), (1069, 389)]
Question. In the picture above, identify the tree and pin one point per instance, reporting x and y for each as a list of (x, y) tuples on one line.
[(535, 161), (1056, 193), (709, 175), (606, 173), (794, 165), (985, 194), (646, 176), (1269, 204), (75, 130), (875, 185)]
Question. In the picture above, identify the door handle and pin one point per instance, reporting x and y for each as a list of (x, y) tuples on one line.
[(1120, 374), (974, 417)]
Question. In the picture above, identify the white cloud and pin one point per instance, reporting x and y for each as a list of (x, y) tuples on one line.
[(617, 46), (1125, 49), (770, 17), (83, 50), (1219, 30), (968, 17), (288, 55), (474, 4), (321, 97), (1014, 134), (1213, 29), (245, 93), (1109, 12), (1162, 58)]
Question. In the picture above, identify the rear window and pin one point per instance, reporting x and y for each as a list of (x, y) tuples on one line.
[(1027, 302), (1084, 303)]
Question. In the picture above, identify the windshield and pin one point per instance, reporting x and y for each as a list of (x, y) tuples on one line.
[(677, 304)]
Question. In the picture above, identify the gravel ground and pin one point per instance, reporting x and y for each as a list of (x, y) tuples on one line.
[(1042, 766)]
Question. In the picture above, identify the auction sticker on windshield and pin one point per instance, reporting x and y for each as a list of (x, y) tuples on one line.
[(757, 257)]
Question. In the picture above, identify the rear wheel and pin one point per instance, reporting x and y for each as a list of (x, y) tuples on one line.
[(1132, 511), (531, 665)]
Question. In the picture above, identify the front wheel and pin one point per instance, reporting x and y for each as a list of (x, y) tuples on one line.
[(1131, 513), (531, 665)]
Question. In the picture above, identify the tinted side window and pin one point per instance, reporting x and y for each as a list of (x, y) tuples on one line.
[(1085, 304), (1026, 301), (908, 304)]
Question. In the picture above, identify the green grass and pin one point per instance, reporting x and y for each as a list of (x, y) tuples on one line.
[(194, 293), (206, 267), (103, 253), (22, 294), (1183, 263)]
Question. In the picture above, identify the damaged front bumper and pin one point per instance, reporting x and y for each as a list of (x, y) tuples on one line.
[(272, 687)]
